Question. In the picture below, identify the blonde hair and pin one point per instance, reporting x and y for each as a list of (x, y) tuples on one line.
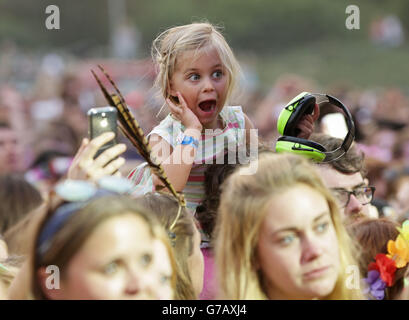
[(165, 208), (167, 47), (242, 210)]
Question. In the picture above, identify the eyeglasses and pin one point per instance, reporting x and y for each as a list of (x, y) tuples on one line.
[(363, 194)]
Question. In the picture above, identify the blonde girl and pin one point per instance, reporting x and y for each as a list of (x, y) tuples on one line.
[(197, 74), (279, 235)]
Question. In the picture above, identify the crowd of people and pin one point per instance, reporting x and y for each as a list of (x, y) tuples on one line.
[(231, 223)]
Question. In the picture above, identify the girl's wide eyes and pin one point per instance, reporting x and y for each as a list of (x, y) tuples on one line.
[(217, 74), (194, 77)]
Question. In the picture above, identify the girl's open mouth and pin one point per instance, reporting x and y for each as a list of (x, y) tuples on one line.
[(207, 106)]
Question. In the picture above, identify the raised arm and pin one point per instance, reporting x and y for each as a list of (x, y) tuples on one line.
[(177, 162)]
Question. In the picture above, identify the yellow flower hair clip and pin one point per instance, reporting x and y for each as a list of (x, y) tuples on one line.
[(381, 273), (398, 250)]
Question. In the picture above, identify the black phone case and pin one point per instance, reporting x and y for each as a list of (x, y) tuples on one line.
[(103, 120)]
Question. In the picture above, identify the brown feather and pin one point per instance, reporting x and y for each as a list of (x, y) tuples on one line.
[(131, 129)]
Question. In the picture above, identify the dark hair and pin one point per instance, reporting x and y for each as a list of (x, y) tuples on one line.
[(373, 236), (17, 198), (350, 162), (215, 174)]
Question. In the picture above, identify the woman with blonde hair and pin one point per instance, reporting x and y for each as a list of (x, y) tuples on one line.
[(279, 234)]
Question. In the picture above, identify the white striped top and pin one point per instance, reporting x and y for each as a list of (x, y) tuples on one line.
[(213, 145)]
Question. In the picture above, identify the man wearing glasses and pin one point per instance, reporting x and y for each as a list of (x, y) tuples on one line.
[(345, 177)]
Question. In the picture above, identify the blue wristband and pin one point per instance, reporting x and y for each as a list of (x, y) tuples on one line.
[(188, 140)]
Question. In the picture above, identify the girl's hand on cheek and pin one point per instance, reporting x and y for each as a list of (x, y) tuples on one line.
[(306, 124), (182, 113)]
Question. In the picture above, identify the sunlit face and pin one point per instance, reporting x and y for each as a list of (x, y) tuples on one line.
[(196, 264), (298, 253), (203, 82), (334, 179), (114, 263), (162, 266)]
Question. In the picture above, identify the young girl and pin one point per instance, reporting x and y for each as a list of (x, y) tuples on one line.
[(197, 76), (279, 234)]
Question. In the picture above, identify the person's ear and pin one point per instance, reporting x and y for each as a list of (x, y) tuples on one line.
[(172, 92), (173, 95), (49, 283)]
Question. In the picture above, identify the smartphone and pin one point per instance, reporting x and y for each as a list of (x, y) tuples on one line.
[(334, 124), (101, 120)]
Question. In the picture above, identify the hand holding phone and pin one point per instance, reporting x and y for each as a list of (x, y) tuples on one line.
[(84, 166), (87, 164)]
